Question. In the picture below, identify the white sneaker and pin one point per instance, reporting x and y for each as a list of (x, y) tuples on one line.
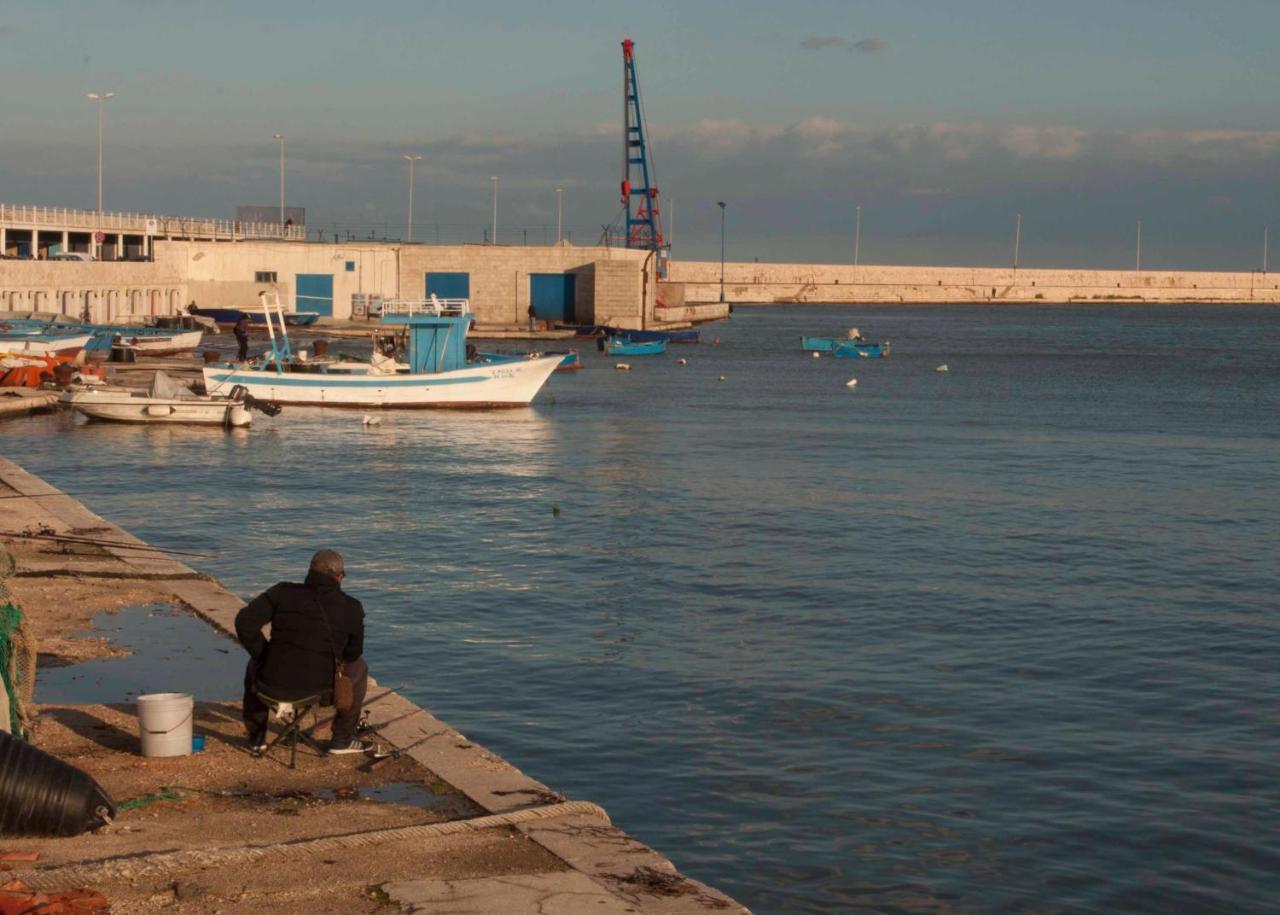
[(351, 746)]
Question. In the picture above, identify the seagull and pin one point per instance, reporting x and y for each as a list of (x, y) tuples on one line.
[(722, 378), (942, 368), (817, 355), (368, 420), (862, 353), (851, 383), (623, 367), (682, 362)]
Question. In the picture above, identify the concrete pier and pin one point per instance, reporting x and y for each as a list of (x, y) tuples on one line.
[(753, 283), (509, 844)]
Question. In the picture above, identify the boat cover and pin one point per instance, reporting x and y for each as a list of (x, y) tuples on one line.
[(166, 388)]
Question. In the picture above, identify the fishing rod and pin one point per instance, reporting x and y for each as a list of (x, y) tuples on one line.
[(90, 541)]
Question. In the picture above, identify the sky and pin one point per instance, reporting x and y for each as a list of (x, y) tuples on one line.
[(942, 120)]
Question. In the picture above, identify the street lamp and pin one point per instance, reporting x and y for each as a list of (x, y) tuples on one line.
[(1137, 264), (857, 233), (494, 239), (1017, 240), (559, 213), (101, 99), (721, 205), (411, 160), (280, 137)]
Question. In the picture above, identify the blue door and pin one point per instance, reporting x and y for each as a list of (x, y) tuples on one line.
[(551, 295), (315, 293), (449, 285)]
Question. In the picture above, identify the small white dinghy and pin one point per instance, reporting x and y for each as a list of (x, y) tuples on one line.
[(166, 401)]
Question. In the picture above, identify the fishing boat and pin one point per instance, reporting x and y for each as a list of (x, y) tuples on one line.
[(617, 346), (429, 369), (44, 344), (165, 401), (648, 336), (844, 347), (229, 317), (569, 361)]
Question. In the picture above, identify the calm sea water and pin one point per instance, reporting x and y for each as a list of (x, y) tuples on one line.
[(1001, 638)]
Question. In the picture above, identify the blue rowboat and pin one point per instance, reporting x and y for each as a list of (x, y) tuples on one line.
[(616, 346), (851, 349), (647, 336), (818, 344), (569, 361), (844, 348)]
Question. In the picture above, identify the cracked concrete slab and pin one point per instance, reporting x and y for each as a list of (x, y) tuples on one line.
[(547, 894)]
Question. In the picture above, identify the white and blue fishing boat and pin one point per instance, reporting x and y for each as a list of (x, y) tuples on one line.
[(619, 346), (431, 370)]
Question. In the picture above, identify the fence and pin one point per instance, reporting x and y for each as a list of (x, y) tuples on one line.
[(145, 224)]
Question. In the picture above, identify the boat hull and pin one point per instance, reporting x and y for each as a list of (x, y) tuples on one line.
[(844, 348), (158, 344), (478, 386), (41, 345), (627, 348), (124, 407)]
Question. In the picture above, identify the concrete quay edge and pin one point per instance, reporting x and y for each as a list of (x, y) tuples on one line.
[(608, 869)]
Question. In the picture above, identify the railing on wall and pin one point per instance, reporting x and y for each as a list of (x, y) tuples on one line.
[(146, 224)]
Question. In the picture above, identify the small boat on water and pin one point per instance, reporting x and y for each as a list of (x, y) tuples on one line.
[(427, 367), (229, 317), (648, 336), (569, 361), (165, 401), (844, 347), (617, 346), (44, 344)]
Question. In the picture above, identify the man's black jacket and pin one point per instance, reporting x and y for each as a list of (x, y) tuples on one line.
[(299, 658)]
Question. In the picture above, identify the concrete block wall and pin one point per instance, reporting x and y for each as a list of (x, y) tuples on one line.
[(500, 276), (768, 283)]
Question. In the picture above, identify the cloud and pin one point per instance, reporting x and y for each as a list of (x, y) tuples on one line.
[(7, 30), (822, 42), (870, 45)]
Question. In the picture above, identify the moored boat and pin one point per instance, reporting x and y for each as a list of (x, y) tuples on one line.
[(165, 401), (432, 371), (45, 344), (229, 317), (844, 347), (617, 346)]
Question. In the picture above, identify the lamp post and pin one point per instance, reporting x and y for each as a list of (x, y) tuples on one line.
[(857, 233), (1137, 263), (721, 205), (411, 160), (101, 99), (493, 240), (280, 137), (1266, 247), (1017, 240), (559, 213)]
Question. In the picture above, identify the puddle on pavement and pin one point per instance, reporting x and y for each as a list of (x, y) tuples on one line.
[(170, 652), (414, 794)]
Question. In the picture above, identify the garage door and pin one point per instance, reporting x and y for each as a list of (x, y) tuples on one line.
[(315, 293), (551, 295), (449, 285)]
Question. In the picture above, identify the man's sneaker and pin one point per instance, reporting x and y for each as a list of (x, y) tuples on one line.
[(257, 744), (350, 746)]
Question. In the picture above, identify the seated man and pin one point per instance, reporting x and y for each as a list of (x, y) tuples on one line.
[(312, 624)]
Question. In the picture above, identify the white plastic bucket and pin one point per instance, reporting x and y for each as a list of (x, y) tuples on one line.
[(164, 722)]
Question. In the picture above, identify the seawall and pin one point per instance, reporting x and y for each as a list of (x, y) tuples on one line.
[(751, 283)]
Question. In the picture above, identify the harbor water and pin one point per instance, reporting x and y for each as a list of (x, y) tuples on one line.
[(1003, 637)]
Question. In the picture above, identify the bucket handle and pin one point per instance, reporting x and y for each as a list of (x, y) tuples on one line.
[(184, 720)]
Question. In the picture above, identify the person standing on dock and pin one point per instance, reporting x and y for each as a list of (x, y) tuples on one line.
[(533, 314), (242, 337), (313, 624)]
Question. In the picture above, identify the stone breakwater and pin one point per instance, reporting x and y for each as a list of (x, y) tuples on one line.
[(750, 283), (513, 844)]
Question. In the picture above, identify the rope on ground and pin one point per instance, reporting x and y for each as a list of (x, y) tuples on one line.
[(133, 869)]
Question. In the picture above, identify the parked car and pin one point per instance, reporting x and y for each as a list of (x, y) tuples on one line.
[(71, 256)]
